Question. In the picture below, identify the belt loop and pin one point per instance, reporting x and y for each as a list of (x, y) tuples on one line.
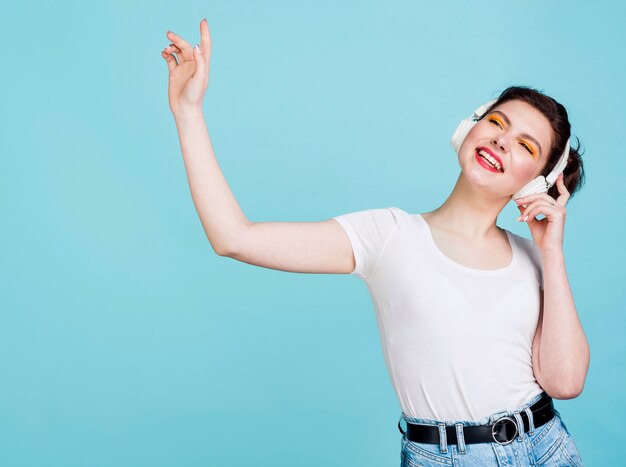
[(531, 421), (520, 423), (443, 440), (460, 437), (400, 427)]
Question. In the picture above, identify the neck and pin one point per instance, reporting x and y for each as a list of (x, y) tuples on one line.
[(470, 211)]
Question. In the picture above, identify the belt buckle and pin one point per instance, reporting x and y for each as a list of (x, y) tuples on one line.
[(494, 430)]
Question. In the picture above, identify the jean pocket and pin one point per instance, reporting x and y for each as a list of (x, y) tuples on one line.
[(553, 445), (422, 454), (569, 451)]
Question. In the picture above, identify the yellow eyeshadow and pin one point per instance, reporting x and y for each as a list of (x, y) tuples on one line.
[(494, 119), (532, 150)]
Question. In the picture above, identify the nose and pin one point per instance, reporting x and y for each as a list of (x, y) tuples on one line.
[(500, 142)]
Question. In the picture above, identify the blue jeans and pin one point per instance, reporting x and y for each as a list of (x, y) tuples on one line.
[(549, 445)]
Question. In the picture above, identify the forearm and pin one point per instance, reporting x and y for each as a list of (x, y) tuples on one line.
[(219, 212), (564, 351)]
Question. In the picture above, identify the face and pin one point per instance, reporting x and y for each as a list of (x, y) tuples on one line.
[(514, 135)]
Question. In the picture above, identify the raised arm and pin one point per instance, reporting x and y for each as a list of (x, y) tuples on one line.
[(312, 247)]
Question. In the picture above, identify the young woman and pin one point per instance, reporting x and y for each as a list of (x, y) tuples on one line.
[(478, 325)]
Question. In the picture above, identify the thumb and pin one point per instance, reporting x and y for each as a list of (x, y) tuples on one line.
[(200, 61)]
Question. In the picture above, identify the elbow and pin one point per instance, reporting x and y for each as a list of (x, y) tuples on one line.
[(222, 250), (228, 243), (567, 382), (566, 391), (564, 394), (222, 246)]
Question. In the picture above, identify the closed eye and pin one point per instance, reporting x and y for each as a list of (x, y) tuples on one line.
[(528, 148), (496, 121)]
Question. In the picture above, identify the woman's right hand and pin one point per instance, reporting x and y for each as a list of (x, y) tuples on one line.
[(189, 70)]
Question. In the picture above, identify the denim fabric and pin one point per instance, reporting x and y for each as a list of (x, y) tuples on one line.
[(549, 445)]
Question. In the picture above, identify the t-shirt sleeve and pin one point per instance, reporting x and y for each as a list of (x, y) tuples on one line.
[(368, 232)]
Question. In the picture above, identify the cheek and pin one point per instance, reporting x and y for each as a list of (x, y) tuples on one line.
[(526, 170), (474, 134)]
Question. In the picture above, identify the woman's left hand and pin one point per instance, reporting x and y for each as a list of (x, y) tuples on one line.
[(548, 232)]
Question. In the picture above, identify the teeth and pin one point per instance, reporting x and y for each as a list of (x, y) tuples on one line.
[(490, 159)]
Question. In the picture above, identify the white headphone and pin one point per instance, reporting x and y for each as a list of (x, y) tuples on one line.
[(540, 184)]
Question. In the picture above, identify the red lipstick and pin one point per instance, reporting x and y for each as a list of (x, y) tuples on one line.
[(492, 154)]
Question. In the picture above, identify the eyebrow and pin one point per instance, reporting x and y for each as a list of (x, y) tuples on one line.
[(524, 135)]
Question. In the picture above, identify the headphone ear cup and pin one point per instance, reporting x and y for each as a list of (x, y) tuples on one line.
[(538, 185), (461, 132), (466, 125)]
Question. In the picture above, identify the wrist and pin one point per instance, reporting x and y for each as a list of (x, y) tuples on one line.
[(552, 254), (187, 112)]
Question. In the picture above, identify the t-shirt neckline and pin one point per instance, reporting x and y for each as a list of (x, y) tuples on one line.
[(444, 257)]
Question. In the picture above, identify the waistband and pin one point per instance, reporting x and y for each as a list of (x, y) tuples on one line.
[(508, 425)]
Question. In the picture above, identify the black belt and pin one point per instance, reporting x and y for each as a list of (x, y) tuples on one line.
[(502, 431)]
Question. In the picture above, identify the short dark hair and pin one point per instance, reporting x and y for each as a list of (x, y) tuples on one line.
[(574, 174)]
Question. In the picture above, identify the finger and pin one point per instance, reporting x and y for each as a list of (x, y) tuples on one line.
[(205, 38), (201, 63), (564, 194), (186, 51), (562, 200), (169, 58), (525, 210), (172, 49), (528, 215), (533, 213), (525, 200), (529, 208)]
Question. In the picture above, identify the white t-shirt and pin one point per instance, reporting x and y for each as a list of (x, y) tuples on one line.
[(457, 341)]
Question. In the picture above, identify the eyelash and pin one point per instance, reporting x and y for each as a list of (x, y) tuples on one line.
[(528, 148)]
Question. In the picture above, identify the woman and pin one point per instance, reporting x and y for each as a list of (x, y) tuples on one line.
[(478, 325)]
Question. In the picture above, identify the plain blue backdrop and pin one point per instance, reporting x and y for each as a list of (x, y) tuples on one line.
[(126, 341)]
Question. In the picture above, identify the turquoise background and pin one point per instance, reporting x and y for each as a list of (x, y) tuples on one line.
[(126, 341)]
